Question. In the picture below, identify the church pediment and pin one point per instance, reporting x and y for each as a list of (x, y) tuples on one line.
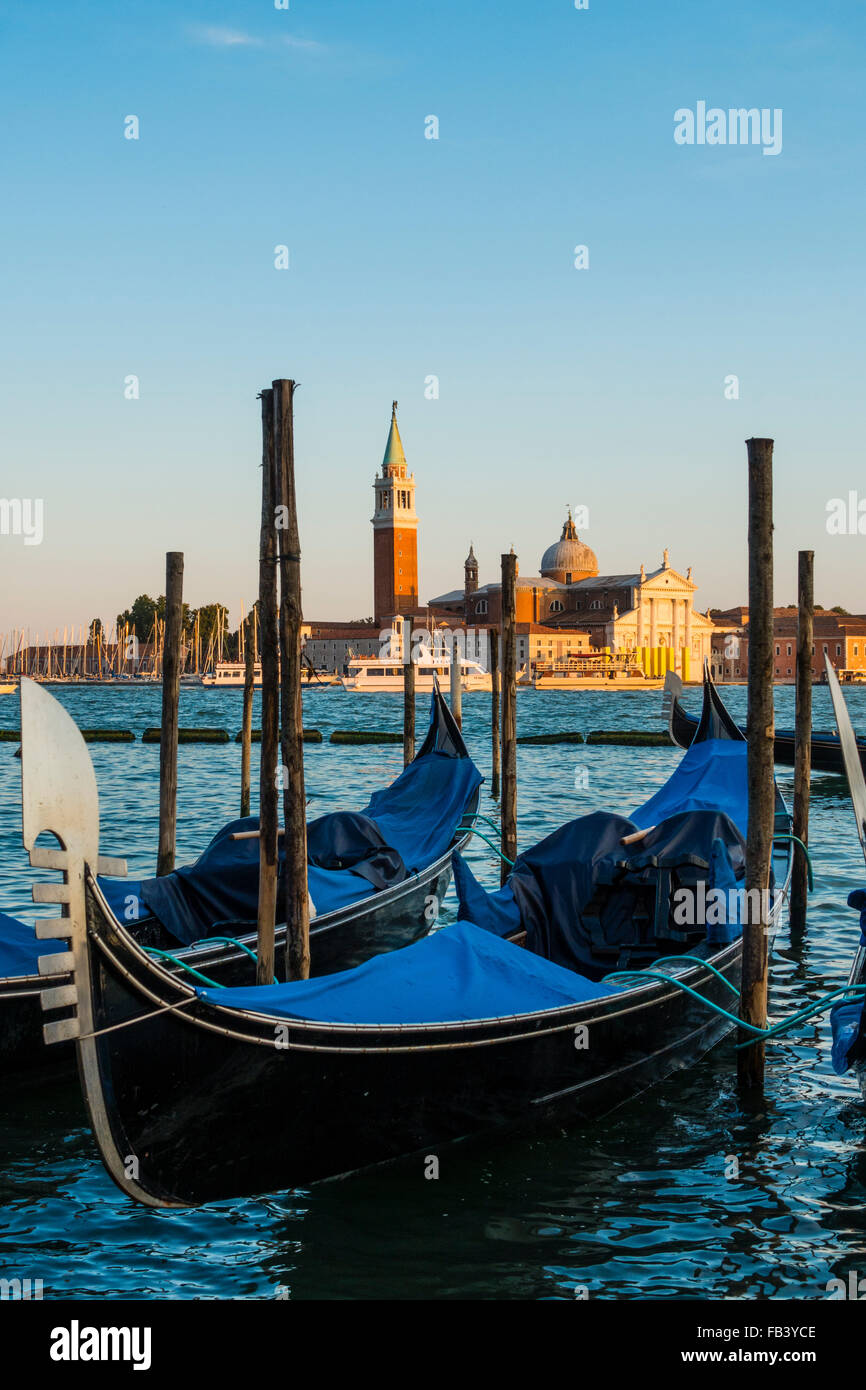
[(666, 582)]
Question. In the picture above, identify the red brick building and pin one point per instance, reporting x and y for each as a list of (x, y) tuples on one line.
[(841, 636)]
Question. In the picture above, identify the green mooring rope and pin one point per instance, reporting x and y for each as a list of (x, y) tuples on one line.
[(166, 955), (482, 836), (797, 841), (848, 991), (206, 941), (232, 941)]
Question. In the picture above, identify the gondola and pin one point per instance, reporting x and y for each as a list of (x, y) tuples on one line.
[(848, 1018), (203, 917), (197, 1094), (826, 750)]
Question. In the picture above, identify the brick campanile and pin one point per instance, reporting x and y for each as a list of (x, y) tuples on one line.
[(395, 533)]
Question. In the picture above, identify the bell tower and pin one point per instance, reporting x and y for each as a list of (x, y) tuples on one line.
[(395, 532), (470, 581)]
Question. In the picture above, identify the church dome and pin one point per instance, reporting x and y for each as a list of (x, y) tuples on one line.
[(569, 559)]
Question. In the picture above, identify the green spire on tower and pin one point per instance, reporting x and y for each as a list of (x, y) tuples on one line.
[(394, 448)]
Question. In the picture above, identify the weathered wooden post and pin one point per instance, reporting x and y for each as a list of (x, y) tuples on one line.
[(803, 734), (295, 892), (170, 702), (408, 694), (247, 720), (760, 733), (268, 793), (508, 805), (493, 638), (457, 678)]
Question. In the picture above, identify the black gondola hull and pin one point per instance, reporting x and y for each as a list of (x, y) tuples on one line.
[(826, 752), (207, 1114), (344, 939)]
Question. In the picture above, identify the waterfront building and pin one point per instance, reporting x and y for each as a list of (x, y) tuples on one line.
[(841, 636), (624, 614)]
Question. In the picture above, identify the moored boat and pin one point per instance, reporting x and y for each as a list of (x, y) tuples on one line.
[(369, 674), (848, 1018), (509, 1016), (229, 675), (376, 882), (826, 749)]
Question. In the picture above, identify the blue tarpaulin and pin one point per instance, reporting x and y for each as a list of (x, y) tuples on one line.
[(415, 818), (847, 1019), (587, 901), (711, 776), (405, 827), (457, 974), (20, 949)]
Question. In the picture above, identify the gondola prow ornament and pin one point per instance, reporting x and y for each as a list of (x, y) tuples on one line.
[(59, 796)]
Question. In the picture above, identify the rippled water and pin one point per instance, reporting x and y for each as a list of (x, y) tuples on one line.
[(637, 1205)]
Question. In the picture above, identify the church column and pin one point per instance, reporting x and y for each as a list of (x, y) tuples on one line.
[(689, 624), (653, 634), (675, 628), (639, 606)]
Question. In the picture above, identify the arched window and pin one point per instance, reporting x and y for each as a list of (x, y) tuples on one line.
[(557, 606), (481, 606)]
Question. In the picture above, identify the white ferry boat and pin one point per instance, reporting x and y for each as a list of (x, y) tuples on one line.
[(366, 673), (227, 674)]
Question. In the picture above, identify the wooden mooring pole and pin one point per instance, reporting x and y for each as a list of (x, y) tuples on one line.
[(295, 892), (508, 805), (493, 637), (247, 719), (408, 694), (803, 734), (457, 678), (268, 793), (760, 733), (171, 661)]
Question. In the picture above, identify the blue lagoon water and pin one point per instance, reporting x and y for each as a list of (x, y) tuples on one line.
[(638, 1205)]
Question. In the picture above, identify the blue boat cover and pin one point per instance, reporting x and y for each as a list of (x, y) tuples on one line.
[(414, 820), (458, 974), (847, 1019), (20, 949), (711, 776), (589, 902)]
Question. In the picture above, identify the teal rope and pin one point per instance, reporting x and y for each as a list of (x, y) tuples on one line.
[(166, 955), (698, 960), (805, 850), (802, 1014), (490, 821), (232, 941), (482, 836), (765, 1033), (503, 857)]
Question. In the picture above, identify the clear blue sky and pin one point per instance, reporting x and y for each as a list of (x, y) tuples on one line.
[(412, 257)]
